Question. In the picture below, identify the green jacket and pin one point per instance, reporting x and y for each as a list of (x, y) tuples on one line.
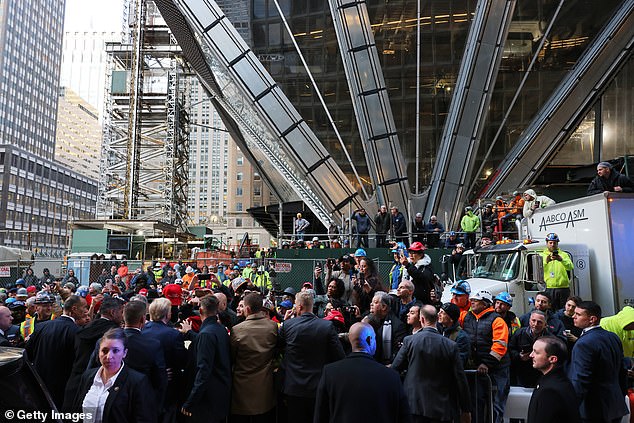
[(555, 271), (617, 323), (470, 222)]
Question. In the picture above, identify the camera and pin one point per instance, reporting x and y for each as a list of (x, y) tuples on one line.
[(537, 204), (347, 309)]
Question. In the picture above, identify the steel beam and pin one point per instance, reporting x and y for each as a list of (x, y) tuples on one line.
[(370, 102), (256, 111), (469, 108)]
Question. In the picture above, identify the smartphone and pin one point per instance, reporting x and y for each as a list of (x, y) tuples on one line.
[(536, 203)]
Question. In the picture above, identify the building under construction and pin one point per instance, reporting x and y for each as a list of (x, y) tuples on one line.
[(143, 170)]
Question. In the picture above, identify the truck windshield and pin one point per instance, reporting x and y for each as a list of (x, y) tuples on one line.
[(498, 266)]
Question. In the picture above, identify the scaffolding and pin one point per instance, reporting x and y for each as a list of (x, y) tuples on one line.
[(144, 158)]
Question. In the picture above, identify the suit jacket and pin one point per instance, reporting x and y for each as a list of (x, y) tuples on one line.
[(145, 355), (399, 330), (309, 344), (359, 379), (51, 348), (127, 401), (435, 381), (598, 375), (253, 350), (208, 373), (554, 400), (85, 341), (173, 346)]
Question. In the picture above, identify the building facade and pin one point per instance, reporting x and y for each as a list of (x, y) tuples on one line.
[(84, 61), (78, 143), (39, 199), (38, 196), (30, 52)]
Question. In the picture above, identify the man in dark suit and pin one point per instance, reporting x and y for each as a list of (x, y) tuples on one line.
[(145, 354), (173, 346), (554, 399), (597, 370), (359, 379), (51, 347), (208, 372), (435, 381), (389, 326), (309, 344)]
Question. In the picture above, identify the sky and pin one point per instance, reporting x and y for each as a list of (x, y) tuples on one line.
[(93, 15)]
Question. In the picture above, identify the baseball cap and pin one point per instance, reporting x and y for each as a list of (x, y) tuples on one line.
[(336, 316), (483, 296), (286, 304), (143, 291), (416, 246), (31, 288), (307, 285), (15, 304), (461, 288)]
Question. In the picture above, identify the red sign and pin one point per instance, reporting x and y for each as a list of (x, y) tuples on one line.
[(283, 267)]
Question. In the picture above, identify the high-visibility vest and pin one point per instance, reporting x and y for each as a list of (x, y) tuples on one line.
[(28, 326)]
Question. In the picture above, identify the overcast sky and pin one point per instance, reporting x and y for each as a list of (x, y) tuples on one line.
[(93, 15)]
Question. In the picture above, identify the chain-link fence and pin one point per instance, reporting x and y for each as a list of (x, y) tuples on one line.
[(86, 269)]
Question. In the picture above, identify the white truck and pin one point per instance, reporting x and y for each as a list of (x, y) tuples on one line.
[(594, 230)]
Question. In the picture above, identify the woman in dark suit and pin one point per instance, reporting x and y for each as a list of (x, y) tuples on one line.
[(114, 393)]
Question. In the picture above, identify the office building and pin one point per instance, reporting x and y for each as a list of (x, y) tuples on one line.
[(38, 196), (78, 144)]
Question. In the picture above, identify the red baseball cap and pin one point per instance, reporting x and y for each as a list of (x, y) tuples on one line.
[(143, 292), (417, 246)]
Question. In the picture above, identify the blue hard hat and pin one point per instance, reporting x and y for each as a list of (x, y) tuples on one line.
[(504, 297), (452, 233), (20, 282), (552, 237), (461, 288), (360, 253)]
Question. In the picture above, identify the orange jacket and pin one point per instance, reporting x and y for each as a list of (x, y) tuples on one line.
[(516, 205), (500, 334)]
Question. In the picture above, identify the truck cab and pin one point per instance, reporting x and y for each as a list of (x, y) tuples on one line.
[(515, 267)]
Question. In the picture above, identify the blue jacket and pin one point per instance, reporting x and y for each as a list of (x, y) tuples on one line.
[(598, 374)]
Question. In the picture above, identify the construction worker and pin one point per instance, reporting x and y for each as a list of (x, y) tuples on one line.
[(44, 303), (261, 279), (469, 224), (557, 263)]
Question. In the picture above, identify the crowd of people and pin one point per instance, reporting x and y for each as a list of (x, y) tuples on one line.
[(118, 351), (496, 219), (224, 343)]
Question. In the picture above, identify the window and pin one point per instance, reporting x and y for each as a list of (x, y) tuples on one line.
[(240, 161), (239, 206), (239, 176), (239, 191), (238, 222)]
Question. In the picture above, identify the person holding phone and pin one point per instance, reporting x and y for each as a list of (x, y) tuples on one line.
[(533, 202), (521, 346), (557, 263)]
